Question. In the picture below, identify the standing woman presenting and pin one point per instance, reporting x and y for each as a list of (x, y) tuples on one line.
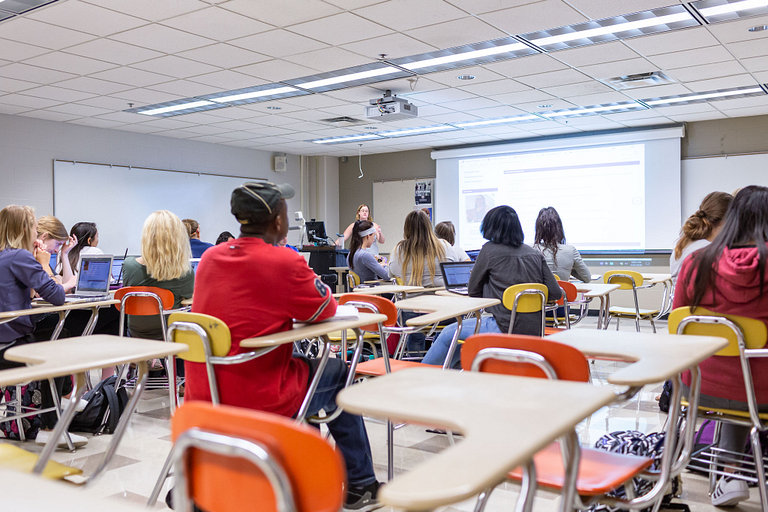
[(364, 213)]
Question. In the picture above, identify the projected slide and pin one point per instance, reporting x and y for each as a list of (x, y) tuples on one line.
[(599, 193)]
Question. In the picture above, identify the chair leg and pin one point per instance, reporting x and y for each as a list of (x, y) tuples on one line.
[(57, 405), (637, 323), (757, 452), (653, 325), (713, 461), (482, 499), (20, 421), (390, 451), (164, 474), (528, 491), (617, 322)]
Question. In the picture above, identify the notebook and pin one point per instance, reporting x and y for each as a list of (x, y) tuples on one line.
[(92, 278), (456, 275)]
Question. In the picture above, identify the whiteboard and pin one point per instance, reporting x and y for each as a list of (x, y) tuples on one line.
[(700, 176), (392, 201), (118, 199)]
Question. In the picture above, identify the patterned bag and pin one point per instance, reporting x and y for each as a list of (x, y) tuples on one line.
[(31, 396)]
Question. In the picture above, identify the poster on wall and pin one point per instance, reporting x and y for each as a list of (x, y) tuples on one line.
[(423, 192)]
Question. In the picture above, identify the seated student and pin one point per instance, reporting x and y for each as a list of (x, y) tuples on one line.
[(164, 263), (284, 243), (364, 213), (224, 236), (87, 236), (359, 260), (198, 246), (699, 230), (22, 261), (502, 262), (729, 276), (446, 231), (54, 239), (257, 288), (416, 260), (563, 260)]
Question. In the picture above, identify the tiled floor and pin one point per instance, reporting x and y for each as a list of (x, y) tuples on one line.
[(135, 469)]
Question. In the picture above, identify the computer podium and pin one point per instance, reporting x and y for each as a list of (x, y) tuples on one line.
[(322, 258)]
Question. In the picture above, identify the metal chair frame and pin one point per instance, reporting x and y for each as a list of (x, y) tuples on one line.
[(638, 316), (514, 309)]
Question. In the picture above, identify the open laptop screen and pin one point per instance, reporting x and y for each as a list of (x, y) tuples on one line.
[(194, 262), (94, 273), (457, 273), (117, 267)]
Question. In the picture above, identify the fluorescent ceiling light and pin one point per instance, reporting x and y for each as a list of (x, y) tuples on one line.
[(704, 96), (347, 138), (349, 77), (499, 120), (732, 7), (418, 131), (597, 109), (458, 57), (175, 108), (388, 70), (252, 95)]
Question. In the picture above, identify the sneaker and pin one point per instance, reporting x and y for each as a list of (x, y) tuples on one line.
[(729, 492), (362, 498)]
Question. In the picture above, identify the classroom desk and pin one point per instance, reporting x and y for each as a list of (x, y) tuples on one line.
[(666, 300), (341, 284), (505, 421), (41, 308), (388, 288), (318, 330), (601, 291), (22, 491), (58, 358), (440, 307)]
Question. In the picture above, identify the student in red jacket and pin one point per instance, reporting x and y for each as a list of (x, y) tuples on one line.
[(729, 277), (258, 288)]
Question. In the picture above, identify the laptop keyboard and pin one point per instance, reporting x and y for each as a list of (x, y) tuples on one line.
[(462, 290)]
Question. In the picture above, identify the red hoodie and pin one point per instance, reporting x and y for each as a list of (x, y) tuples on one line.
[(737, 292)]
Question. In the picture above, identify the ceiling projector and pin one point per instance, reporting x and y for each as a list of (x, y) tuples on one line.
[(390, 108)]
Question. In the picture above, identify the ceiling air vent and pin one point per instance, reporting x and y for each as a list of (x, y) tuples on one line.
[(638, 80), (344, 121)]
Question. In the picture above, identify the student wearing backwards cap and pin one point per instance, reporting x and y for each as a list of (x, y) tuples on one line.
[(258, 288)]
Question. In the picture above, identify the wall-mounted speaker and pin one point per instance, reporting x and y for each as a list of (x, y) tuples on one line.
[(281, 163)]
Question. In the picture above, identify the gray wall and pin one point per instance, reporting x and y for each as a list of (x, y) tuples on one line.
[(726, 137), (354, 191)]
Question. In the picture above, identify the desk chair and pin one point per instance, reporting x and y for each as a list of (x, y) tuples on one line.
[(526, 298), (629, 280), (353, 281), (598, 471), (570, 297), (148, 301), (746, 340), (228, 458)]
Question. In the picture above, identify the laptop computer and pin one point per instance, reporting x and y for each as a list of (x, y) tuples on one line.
[(54, 261), (194, 262), (473, 254), (456, 275), (92, 278)]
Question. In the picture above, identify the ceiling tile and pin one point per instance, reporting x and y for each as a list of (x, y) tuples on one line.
[(406, 86), (97, 123), (657, 91), (275, 12), (442, 96), (185, 88), (161, 38), (676, 40), (69, 63), (415, 14), (499, 111), (123, 117), (595, 54), (450, 77), (13, 85), (393, 46), (79, 110), (175, 67), (523, 97), (33, 73), (761, 77), (24, 30), (58, 93), (16, 51), (706, 116), (531, 65), (139, 128), (132, 77), (315, 101), (167, 123), (580, 89), (755, 64), (341, 29), (472, 104), (276, 70), (228, 80), (12, 109), (238, 125), (695, 108), (738, 30), (646, 121), (566, 76), (50, 116), (92, 85), (329, 59), (535, 106), (542, 15), (598, 9), (30, 102), (235, 113), (217, 24), (727, 82), (483, 6), (746, 112), (756, 101), (208, 130), (224, 56), (697, 57), (496, 87), (146, 96), (82, 16), (113, 51), (640, 114), (278, 43), (151, 10), (703, 72), (598, 99), (746, 49), (456, 33), (619, 68)]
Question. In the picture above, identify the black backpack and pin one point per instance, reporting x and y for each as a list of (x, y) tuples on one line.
[(105, 406)]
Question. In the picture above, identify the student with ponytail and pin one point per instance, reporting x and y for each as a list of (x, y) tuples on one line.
[(87, 236), (700, 229), (360, 261)]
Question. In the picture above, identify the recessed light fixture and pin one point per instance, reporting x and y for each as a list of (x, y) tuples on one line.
[(272, 107), (758, 28), (175, 108), (419, 131), (544, 106), (466, 77), (499, 120), (685, 99), (715, 11), (347, 138), (609, 108), (254, 94), (349, 77)]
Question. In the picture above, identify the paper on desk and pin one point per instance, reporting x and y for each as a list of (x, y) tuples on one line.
[(345, 313)]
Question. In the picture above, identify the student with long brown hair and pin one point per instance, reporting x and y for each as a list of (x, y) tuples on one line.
[(447, 231), (52, 237), (729, 276), (359, 260), (364, 213), (563, 260), (700, 229)]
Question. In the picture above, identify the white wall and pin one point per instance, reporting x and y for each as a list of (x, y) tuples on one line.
[(323, 192), (28, 147)]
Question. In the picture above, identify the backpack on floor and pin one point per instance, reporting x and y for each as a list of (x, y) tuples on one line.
[(105, 406)]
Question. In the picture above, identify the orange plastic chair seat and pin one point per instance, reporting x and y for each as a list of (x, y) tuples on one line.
[(376, 368), (552, 330), (599, 471)]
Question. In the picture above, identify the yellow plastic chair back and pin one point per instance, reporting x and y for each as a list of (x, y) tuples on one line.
[(399, 281), (624, 282), (755, 331), (527, 303), (217, 331), (557, 278), (353, 280)]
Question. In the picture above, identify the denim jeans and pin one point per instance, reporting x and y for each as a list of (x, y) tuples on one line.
[(348, 430), (439, 349)]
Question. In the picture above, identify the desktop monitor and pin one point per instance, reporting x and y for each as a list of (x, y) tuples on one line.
[(316, 231)]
